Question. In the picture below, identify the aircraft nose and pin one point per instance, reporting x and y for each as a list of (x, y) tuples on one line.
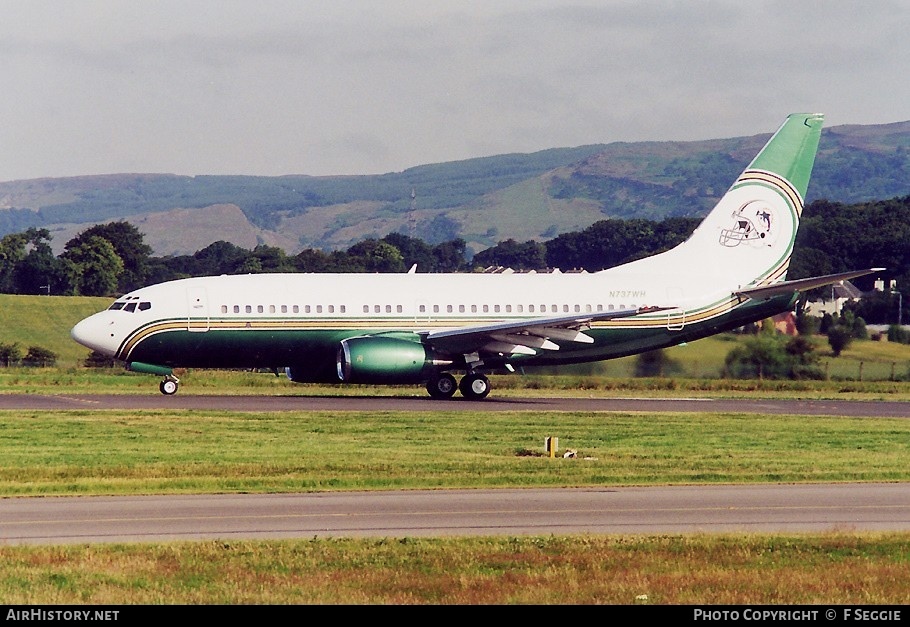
[(97, 332)]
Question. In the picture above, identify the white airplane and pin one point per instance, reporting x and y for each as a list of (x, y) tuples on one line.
[(421, 328)]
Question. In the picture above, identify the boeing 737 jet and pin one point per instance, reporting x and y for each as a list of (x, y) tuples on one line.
[(418, 328)]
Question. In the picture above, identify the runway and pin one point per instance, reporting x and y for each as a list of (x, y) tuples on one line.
[(877, 409), (423, 513)]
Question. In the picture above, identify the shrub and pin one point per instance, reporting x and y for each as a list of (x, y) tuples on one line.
[(38, 356), (839, 338), (656, 364), (774, 357), (898, 334), (97, 360), (10, 354)]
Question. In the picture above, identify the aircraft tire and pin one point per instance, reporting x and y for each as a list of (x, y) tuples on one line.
[(168, 387), (474, 386), (442, 386)]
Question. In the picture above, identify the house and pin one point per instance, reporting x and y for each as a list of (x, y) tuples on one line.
[(833, 302)]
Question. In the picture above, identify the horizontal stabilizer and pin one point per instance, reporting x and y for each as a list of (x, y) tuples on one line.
[(801, 285)]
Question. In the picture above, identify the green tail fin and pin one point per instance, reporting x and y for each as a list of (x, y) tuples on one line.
[(791, 151)]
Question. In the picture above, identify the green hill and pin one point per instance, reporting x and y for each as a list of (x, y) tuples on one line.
[(46, 321), (483, 201)]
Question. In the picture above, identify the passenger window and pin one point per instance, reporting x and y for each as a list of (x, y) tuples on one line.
[(295, 309), (366, 309), (224, 309), (318, 308), (398, 309), (342, 309), (236, 308), (248, 309), (495, 308), (260, 309), (486, 309), (331, 308), (284, 309), (460, 308), (422, 309), (377, 309), (435, 308), (306, 308), (449, 308), (508, 308), (271, 308)]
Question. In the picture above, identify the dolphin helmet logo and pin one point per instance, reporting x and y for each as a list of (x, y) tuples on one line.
[(753, 223)]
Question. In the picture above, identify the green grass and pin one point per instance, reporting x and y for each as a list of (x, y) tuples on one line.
[(836, 569), (56, 453), (223, 382)]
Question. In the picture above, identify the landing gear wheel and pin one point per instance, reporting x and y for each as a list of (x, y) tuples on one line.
[(168, 387), (474, 386), (442, 386)]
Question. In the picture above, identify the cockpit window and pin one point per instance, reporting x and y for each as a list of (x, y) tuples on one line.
[(131, 307)]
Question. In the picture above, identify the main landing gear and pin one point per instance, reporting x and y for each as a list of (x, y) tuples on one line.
[(474, 386), (169, 385)]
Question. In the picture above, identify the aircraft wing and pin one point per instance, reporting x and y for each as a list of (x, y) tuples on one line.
[(524, 337), (801, 285)]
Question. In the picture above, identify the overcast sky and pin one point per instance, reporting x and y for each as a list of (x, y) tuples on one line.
[(322, 87)]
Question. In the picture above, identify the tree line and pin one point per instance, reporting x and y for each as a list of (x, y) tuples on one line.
[(113, 258)]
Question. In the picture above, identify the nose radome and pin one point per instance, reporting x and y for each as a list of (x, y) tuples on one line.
[(96, 333)]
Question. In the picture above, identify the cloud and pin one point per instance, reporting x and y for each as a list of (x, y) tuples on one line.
[(355, 87)]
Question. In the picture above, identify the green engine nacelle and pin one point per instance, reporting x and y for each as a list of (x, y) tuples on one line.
[(377, 359)]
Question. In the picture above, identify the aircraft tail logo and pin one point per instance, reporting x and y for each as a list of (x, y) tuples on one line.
[(752, 224)]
